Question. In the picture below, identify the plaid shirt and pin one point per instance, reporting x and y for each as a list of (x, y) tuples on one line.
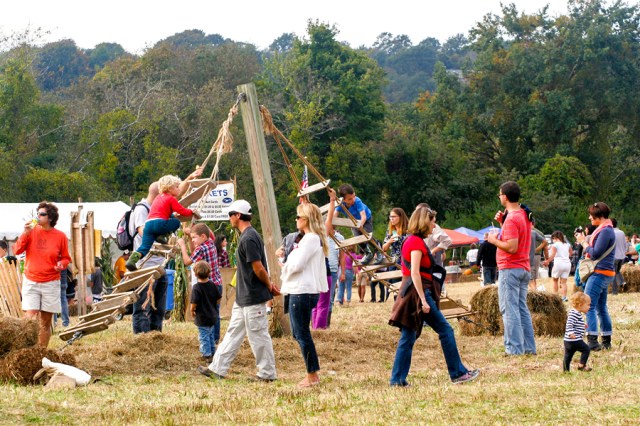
[(207, 252)]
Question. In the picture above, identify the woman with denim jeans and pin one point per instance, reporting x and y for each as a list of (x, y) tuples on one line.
[(304, 277), (420, 294), (597, 285)]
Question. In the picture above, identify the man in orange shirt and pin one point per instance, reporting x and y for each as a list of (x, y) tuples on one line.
[(119, 268), (47, 254)]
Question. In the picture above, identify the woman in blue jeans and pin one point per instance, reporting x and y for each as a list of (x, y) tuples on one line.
[(597, 286), (418, 302), (304, 277)]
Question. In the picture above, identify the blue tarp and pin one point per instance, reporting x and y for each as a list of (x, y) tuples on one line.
[(488, 229), (471, 233)]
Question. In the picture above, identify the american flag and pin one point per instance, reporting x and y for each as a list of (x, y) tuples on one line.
[(305, 181)]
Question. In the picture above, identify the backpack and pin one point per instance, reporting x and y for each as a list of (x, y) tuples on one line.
[(124, 240)]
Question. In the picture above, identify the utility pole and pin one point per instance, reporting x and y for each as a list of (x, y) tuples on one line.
[(265, 197)]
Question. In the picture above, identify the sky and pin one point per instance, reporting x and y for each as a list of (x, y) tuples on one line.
[(139, 24)]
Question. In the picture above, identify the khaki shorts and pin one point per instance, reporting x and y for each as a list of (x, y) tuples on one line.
[(41, 296), (535, 267)]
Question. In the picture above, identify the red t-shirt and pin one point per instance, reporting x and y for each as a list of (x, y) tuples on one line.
[(413, 243), (516, 225), (164, 205)]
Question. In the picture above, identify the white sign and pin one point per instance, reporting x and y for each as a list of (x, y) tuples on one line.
[(216, 204)]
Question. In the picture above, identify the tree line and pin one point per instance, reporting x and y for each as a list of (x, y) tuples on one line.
[(549, 101)]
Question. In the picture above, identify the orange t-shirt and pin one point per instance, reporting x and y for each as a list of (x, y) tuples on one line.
[(120, 268), (44, 248)]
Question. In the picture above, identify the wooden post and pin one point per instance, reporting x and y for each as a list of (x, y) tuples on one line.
[(265, 197)]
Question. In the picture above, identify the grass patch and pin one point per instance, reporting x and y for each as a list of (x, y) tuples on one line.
[(141, 385)]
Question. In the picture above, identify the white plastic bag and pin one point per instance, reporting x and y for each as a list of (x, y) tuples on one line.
[(82, 378), (543, 273)]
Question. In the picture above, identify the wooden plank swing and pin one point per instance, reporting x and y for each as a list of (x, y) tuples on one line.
[(449, 307)]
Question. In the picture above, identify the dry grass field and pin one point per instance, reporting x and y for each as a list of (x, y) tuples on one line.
[(152, 379)]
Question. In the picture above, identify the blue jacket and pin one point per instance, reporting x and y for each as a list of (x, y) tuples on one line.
[(605, 239)]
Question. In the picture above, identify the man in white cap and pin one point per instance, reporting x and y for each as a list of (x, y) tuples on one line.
[(249, 315)]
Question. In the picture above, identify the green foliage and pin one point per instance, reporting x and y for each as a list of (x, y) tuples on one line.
[(61, 63), (563, 176), (59, 185), (105, 260)]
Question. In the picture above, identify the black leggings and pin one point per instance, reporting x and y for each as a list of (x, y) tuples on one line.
[(570, 348)]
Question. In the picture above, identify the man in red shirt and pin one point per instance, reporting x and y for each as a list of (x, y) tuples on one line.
[(512, 256)]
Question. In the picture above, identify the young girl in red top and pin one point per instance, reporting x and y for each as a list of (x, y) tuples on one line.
[(160, 221)]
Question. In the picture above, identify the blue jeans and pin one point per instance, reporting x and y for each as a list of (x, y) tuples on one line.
[(300, 307), (153, 229), (145, 320), (207, 340), (597, 287), (334, 280), (489, 274), (512, 298), (347, 283), (440, 325)]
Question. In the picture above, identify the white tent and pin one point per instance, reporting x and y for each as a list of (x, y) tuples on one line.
[(13, 216)]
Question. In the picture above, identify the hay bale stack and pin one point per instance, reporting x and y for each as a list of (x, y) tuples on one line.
[(22, 364), (17, 333), (631, 274), (548, 313)]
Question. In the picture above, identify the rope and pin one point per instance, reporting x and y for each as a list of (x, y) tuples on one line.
[(222, 145)]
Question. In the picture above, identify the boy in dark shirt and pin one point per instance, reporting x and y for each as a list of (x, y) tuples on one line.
[(204, 300)]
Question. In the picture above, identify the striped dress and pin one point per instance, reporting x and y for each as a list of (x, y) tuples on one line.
[(575, 326)]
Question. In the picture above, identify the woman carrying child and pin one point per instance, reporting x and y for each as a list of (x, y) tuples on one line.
[(160, 220), (304, 277)]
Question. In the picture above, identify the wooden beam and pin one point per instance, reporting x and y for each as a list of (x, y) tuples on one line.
[(353, 241), (265, 196), (346, 222), (313, 188), (390, 275)]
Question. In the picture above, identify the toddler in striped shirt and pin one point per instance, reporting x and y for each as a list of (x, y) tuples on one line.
[(574, 332)]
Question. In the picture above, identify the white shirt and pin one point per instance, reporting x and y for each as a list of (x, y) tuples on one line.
[(305, 271), (562, 253), (472, 255)]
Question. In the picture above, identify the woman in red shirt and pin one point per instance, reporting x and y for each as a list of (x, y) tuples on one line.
[(47, 254), (420, 292)]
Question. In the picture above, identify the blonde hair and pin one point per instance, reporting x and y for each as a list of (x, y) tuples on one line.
[(167, 182), (311, 212), (420, 220), (578, 298)]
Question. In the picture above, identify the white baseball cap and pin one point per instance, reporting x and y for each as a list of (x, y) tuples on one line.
[(240, 206)]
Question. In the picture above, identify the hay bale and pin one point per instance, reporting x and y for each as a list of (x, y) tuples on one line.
[(485, 303), (22, 364), (17, 333), (631, 274), (548, 313)]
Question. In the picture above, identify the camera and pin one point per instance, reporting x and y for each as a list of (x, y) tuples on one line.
[(578, 230)]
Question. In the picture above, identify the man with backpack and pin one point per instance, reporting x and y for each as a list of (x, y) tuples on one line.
[(145, 320)]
